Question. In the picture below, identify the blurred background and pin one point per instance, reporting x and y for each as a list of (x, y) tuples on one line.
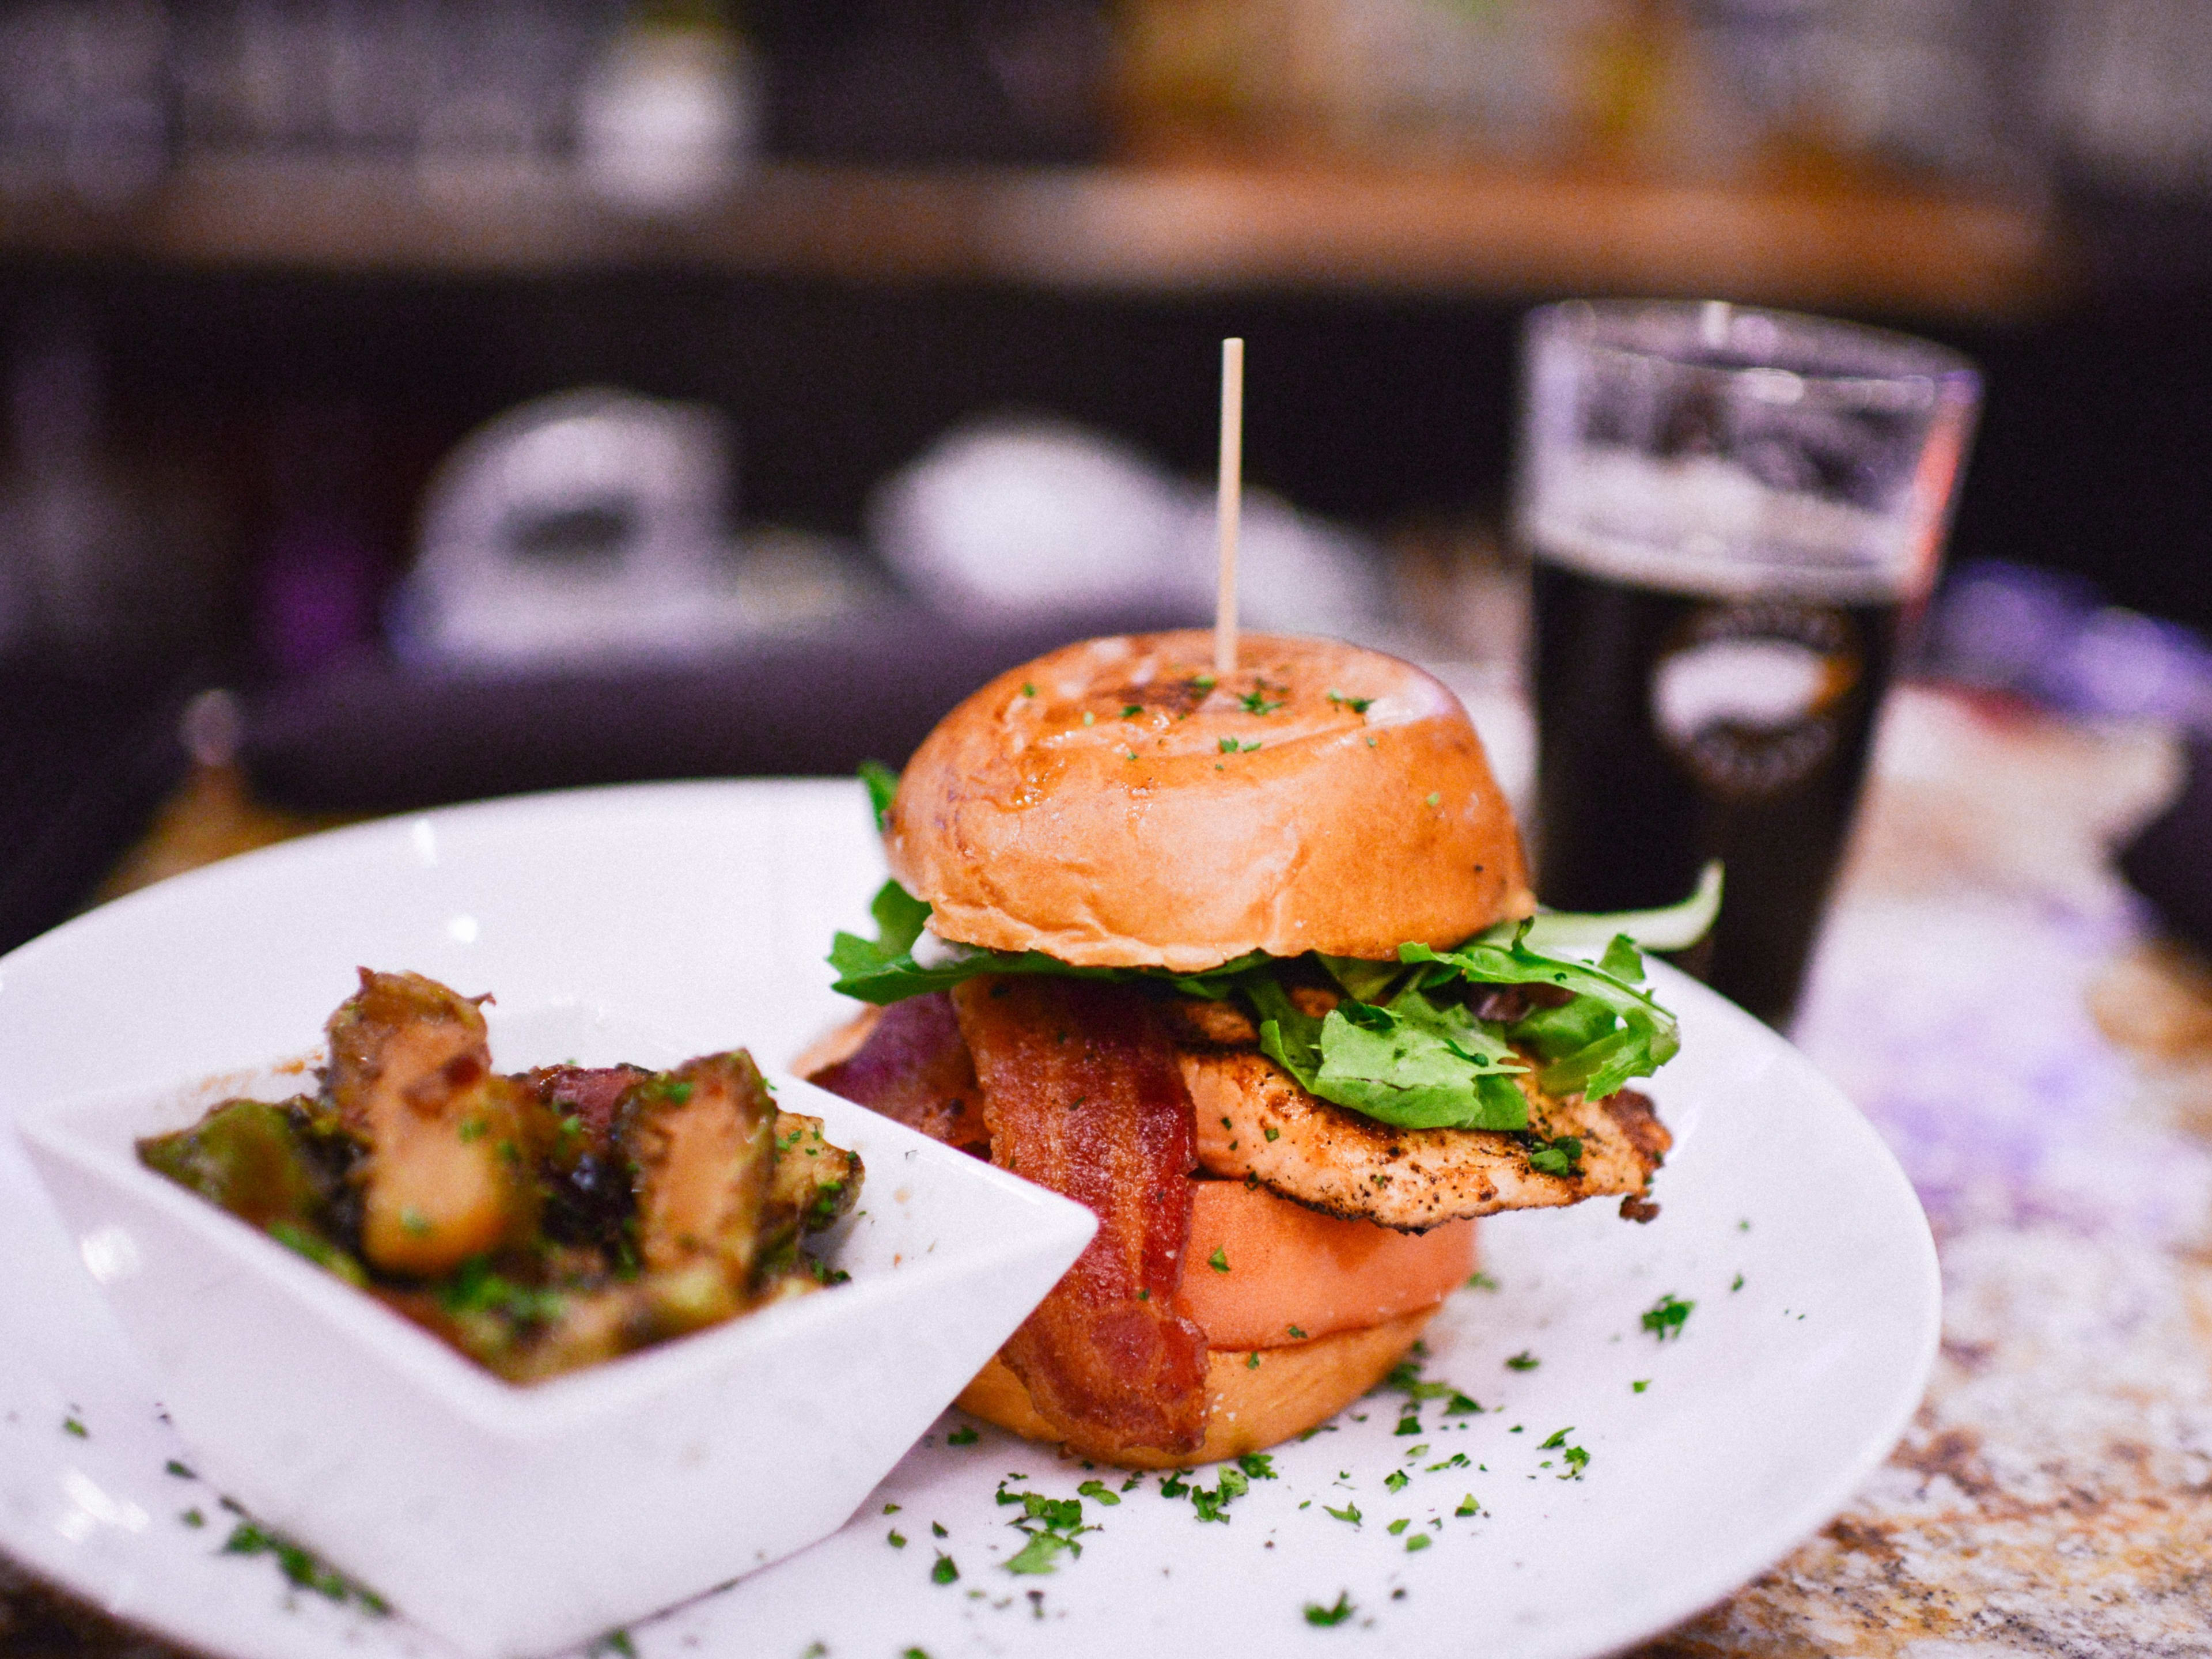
[(412, 400)]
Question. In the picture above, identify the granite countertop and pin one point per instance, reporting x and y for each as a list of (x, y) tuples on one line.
[(1987, 992)]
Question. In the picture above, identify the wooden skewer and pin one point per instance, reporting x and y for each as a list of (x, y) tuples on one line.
[(1231, 501)]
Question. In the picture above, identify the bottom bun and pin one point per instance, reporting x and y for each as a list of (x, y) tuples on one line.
[(1254, 1407)]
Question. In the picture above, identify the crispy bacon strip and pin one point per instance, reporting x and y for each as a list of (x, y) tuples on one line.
[(1083, 1095), (914, 1067)]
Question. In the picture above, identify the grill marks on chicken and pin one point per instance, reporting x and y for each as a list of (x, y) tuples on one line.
[(1255, 1122), (1081, 1094)]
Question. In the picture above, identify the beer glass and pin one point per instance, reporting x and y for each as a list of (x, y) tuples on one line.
[(1734, 517)]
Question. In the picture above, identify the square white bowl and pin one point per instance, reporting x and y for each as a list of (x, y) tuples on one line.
[(513, 1520)]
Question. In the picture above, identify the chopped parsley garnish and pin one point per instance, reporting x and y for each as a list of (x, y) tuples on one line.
[(475, 1288), (1131, 710), (1395, 1480), (937, 1529), (174, 1467), (1563, 1157), (1420, 1541), (301, 1567), (1461, 1406), (896, 1539), (1257, 702), (1218, 1261), (1482, 1282), (1409, 1424), (1523, 1361), (1456, 1461), (1577, 1460), (1258, 1465), (1738, 1283), (1556, 1440), (1096, 1491), (1666, 1317), (966, 1434), (1051, 1524), (1356, 705), (1349, 1512), (1325, 1617), (1398, 1525), (615, 1642), (1468, 1506), (944, 1572), (1296, 1334), (1639, 1386), (1431, 799), (893, 1509), (1405, 1377), (1041, 1555), (71, 1426), (193, 1517)]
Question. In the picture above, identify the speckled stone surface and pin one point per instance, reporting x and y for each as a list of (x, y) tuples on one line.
[(1984, 994)]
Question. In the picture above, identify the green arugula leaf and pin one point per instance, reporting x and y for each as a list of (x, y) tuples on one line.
[(1289, 1037), (885, 970), (1645, 1035), (1368, 981), (1623, 960), (1673, 928), (883, 788), (1555, 1033), (1419, 1065)]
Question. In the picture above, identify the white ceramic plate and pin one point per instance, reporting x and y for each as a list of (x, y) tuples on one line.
[(705, 909)]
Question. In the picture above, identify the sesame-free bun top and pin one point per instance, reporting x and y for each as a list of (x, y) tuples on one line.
[(1112, 804)]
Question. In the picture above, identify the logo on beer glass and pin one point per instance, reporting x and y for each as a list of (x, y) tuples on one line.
[(1746, 696)]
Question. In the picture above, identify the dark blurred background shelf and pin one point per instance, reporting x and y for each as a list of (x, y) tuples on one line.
[(1484, 234)]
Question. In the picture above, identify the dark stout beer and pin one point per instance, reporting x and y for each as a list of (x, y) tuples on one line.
[(1677, 727), (1730, 512)]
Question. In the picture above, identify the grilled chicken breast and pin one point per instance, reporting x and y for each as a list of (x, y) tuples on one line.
[(1255, 1123)]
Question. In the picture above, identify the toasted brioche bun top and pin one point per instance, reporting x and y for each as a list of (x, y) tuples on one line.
[(1111, 805)]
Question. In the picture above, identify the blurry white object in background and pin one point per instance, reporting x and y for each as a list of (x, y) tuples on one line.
[(595, 523), (669, 117), (1017, 518), (1024, 518), (1297, 574)]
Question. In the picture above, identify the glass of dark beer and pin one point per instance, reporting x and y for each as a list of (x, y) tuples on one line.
[(1734, 517)]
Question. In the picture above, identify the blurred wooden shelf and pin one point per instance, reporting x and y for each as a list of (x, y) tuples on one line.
[(1166, 230)]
